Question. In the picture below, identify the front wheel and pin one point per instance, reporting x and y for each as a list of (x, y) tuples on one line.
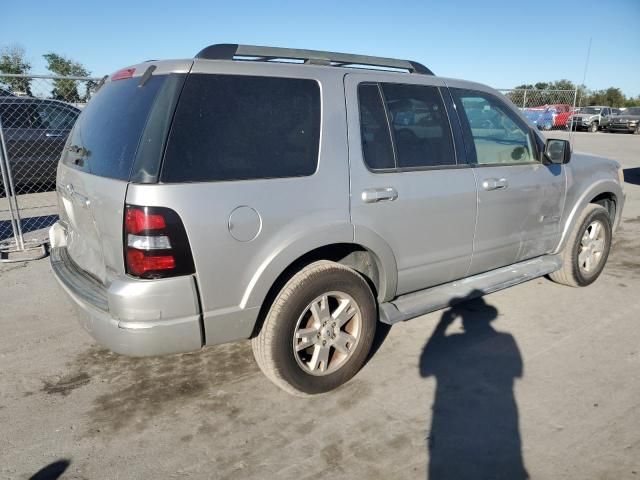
[(593, 127), (319, 329), (587, 249), (637, 130)]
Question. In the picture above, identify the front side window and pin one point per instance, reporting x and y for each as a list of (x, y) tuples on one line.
[(233, 127), (412, 118), (20, 115), (499, 136)]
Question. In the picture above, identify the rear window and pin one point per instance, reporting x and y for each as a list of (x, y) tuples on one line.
[(231, 127), (110, 126)]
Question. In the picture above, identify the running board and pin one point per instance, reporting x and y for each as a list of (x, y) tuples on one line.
[(418, 303)]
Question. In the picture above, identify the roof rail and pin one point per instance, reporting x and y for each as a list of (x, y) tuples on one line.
[(229, 51)]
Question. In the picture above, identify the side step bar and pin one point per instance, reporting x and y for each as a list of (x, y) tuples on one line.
[(418, 303)]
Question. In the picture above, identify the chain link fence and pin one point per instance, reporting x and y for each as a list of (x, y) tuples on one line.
[(547, 109), (36, 116)]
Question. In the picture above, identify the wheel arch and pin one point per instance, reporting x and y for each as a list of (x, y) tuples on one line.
[(607, 193), (355, 255)]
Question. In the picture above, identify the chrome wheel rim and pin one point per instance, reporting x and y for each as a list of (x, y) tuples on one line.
[(327, 333), (591, 247)]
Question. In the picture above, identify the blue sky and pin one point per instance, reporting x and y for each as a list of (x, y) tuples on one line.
[(500, 43)]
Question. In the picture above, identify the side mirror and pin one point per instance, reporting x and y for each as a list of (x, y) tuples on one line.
[(557, 151)]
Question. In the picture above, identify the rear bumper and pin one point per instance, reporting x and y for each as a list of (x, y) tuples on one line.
[(133, 317)]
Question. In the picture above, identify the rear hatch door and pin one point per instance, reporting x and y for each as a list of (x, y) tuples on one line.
[(119, 137)]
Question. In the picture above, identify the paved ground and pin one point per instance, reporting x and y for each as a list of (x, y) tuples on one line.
[(559, 378)]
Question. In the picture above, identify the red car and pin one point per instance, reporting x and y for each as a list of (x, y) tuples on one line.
[(563, 112)]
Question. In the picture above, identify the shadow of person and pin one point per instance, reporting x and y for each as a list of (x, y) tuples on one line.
[(52, 471), (474, 430)]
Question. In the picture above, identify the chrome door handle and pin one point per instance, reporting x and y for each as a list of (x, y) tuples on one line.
[(373, 195), (53, 135), (495, 183)]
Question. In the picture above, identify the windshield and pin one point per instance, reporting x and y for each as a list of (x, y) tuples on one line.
[(631, 111), (591, 110)]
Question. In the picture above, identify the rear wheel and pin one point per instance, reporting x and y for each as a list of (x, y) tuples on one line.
[(637, 130), (587, 249), (319, 330)]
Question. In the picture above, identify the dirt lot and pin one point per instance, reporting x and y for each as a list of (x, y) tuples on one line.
[(558, 369)]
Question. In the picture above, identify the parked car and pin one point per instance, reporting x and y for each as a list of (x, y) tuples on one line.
[(229, 203), (629, 121), (548, 117), (591, 119), (35, 131)]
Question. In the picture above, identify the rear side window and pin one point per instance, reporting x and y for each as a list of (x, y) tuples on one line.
[(404, 126), (110, 126), (420, 126), (374, 129), (232, 127)]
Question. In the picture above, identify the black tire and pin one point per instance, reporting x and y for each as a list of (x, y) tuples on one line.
[(273, 347), (571, 273), (637, 130), (593, 128)]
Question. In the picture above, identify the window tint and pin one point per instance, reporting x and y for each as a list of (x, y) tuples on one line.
[(230, 127), (20, 115), (57, 117), (420, 125), (374, 129), (499, 136), (110, 126)]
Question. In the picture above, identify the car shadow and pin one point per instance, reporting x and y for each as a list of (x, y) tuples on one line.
[(29, 224), (474, 431), (632, 175)]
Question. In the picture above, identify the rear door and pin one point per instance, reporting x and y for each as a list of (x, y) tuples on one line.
[(408, 186), (520, 200), (107, 140)]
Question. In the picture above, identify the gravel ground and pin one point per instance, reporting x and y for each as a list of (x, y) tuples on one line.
[(557, 374)]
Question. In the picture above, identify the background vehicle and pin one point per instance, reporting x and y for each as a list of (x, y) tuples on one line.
[(548, 117), (591, 119), (238, 207), (628, 121), (35, 132)]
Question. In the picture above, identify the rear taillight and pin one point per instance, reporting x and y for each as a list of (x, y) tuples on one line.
[(155, 243)]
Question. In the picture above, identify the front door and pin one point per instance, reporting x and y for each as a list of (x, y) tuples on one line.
[(406, 185), (520, 199)]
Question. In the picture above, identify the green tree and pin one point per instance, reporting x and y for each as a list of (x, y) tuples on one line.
[(63, 88), (612, 97), (13, 61)]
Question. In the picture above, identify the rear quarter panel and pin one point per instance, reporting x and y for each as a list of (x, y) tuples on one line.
[(296, 215)]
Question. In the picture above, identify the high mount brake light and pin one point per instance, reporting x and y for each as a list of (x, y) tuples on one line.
[(122, 74), (155, 243)]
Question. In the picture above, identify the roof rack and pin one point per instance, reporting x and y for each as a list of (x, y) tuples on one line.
[(230, 51)]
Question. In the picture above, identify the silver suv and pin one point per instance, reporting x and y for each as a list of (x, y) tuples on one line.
[(298, 197)]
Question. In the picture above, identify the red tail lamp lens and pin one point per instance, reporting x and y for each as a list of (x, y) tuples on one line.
[(137, 220), (155, 243), (139, 263)]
